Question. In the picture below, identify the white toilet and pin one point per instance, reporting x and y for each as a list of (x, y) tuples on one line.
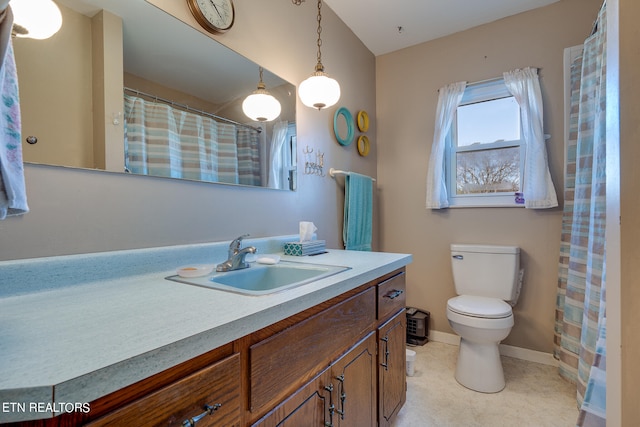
[(487, 281)]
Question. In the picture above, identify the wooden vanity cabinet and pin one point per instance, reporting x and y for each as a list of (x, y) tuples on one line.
[(365, 386), (339, 363)]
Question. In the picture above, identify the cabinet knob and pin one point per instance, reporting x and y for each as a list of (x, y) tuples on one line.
[(208, 410)]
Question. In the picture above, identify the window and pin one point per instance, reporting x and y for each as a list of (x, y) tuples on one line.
[(485, 150)]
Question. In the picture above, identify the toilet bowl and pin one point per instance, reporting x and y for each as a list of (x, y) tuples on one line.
[(479, 367), (487, 282)]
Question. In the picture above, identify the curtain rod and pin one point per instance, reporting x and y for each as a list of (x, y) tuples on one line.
[(493, 79), (187, 108)]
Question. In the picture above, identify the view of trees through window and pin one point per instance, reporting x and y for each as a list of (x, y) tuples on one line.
[(487, 158), (488, 171)]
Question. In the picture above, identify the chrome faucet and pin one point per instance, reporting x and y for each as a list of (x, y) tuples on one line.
[(236, 260)]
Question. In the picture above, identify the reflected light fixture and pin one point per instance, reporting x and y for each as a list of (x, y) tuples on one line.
[(261, 106), (36, 19), (319, 91)]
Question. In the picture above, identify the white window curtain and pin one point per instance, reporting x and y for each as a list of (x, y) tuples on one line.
[(538, 189), (279, 156), (448, 101)]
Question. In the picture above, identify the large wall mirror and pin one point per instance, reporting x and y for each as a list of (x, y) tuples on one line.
[(124, 86)]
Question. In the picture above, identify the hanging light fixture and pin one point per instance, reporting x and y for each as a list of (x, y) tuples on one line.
[(261, 105), (319, 91), (36, 19)]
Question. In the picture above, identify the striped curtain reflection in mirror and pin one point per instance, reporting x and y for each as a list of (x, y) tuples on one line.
[(164, 141)]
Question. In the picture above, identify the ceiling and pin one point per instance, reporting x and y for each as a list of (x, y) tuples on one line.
[(375, 22), (388, 25)]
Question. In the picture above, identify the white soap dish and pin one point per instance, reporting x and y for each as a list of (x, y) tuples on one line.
[(195, 270), (268, 259)]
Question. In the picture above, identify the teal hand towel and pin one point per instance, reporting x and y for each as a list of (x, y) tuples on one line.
[(358, 212)]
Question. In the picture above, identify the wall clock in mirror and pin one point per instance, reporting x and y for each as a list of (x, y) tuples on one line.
[(215, 16)]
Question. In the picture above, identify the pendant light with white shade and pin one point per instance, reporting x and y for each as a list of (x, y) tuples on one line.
[(319, 91), (261, 106)]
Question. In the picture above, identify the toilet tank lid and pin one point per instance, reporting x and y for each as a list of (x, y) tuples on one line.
[(489, 249)]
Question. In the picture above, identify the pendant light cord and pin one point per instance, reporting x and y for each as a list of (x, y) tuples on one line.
[(261, 84), (319, 66), (319, 90)]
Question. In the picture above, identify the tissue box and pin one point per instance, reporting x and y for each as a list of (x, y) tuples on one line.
[(304, 248)]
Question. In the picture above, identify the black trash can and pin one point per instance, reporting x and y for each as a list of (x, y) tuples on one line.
[(417, 326)]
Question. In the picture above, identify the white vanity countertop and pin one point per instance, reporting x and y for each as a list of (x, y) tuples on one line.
[(82, 341)]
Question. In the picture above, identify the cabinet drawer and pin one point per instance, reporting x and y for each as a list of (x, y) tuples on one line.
[(282, 363), (218, 384), (391, 296)]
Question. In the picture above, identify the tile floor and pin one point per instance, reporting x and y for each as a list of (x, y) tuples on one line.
[(534, 396)]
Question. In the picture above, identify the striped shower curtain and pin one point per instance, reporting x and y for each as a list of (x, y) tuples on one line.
[(165, 141), (152, 141), (198, 147), (227, 154), (580, 311), (248, 157)]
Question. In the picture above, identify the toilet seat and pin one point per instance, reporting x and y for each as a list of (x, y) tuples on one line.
[(481, 307)]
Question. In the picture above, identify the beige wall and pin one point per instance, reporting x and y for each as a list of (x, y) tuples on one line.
[(407, 90), (63, 128), (77, 211), (67, 86), (613, 282), (623, 239)]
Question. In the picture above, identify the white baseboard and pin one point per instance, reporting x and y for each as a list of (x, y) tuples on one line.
[(505, 350), (444, 337)]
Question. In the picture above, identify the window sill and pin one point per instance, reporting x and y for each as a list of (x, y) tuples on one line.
[(478, 205), (503, 201)]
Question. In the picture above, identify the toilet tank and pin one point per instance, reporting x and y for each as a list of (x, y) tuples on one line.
[(486, 270)]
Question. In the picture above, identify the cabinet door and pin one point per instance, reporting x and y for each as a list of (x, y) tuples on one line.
[(309, 406), (282, 363), (392, 381), (354, 386), (216, 388)]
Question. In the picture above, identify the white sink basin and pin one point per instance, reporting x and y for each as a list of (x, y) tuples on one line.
[(264, 279)]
